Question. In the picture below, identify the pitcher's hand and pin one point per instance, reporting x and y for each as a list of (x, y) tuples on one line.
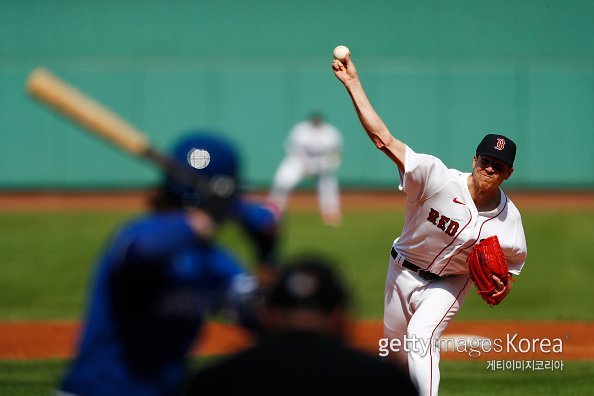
[(345, 70)]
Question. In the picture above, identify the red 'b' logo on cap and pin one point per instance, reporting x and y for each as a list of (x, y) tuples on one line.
[(500, 144)]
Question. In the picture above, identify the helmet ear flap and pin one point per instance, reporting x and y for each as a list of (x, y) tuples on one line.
[(222, 186), (219, 199)]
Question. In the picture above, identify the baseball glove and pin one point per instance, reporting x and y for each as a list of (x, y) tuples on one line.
[(486, 260)]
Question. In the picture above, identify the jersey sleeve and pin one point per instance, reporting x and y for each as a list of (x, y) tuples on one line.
[(237, 291), (223, 266), (423, 176), (260, 223), (517, 259)]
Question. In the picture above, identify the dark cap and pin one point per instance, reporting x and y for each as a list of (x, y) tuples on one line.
[(498, 146), (308, 283), (316, 114)]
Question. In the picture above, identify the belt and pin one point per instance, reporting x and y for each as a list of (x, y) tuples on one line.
[(423, 273)]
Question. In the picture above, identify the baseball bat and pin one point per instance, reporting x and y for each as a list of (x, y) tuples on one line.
[(72, 103), (101, 121)]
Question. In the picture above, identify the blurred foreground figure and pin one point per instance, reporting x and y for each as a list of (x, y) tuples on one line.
[(161, 274), (313, 150), (303, 350)]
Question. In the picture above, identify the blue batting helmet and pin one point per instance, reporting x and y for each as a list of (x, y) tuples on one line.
[(215, 160)]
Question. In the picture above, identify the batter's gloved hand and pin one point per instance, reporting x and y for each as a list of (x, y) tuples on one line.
[(488, 270)]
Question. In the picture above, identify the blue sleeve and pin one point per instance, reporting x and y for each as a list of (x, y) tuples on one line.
[(254, 216), (222, 265), (239, 296), (261, 224)]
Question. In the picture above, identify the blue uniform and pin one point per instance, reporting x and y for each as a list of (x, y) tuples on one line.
[(153, 286)]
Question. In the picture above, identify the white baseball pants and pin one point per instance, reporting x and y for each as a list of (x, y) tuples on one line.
[(291, 172), (417, 311)]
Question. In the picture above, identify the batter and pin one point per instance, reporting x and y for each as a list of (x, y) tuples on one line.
[(162, 275), (447, 212)]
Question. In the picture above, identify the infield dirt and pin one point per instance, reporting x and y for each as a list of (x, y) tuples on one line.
[(45, 340)]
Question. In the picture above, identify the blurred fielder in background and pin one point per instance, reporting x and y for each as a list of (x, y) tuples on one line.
[(313, 148), (447, 213), (161, 274)]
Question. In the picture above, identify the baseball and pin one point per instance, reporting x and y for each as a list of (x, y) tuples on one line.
[(341, 52), (199, 159)]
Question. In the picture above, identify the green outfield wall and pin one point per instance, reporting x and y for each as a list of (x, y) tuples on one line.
[(440, 73)]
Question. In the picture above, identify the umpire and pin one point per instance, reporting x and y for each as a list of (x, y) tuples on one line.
[(303, 349), (161, 274)]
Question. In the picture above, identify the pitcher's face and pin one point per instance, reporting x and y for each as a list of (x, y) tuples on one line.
[(489, 173)]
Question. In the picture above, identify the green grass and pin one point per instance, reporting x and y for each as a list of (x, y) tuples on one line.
[(458, 378), (34, 377), (40, 377), (46, 261), (473, 378)]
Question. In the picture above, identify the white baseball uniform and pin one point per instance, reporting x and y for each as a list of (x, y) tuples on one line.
[(312, 150), (442, 225)]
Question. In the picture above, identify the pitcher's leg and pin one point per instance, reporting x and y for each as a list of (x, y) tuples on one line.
[(400, 286), (436, 306)]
